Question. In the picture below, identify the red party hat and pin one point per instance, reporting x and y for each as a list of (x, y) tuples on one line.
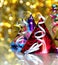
[(40, 40)]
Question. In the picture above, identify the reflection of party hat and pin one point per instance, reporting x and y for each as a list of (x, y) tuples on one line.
[(40, 40)]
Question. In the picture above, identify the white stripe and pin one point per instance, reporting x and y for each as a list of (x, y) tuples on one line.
[(36, 46)]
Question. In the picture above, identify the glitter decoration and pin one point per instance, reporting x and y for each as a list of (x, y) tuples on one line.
[(54, 18)]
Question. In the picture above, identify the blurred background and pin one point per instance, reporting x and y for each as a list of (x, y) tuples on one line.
[(11, 13)]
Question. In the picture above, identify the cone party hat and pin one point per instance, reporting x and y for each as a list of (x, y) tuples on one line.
[(40, 40), (23, 35)]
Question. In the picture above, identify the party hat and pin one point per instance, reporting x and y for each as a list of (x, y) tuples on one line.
[(23, 35), (40, 40)]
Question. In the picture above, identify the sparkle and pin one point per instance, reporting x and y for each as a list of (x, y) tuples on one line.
[(31, 23)]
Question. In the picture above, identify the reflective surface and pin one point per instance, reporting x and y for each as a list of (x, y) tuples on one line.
[(41, 59)]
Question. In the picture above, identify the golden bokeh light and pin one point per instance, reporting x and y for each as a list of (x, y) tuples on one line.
[(8, 9), (21, 1), (1, 4), (28, 3), (48, 3), (10, 18), (5, 2), (14, 1), (6, 24)]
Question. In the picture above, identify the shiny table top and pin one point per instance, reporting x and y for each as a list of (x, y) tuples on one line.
[(30, 59)]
